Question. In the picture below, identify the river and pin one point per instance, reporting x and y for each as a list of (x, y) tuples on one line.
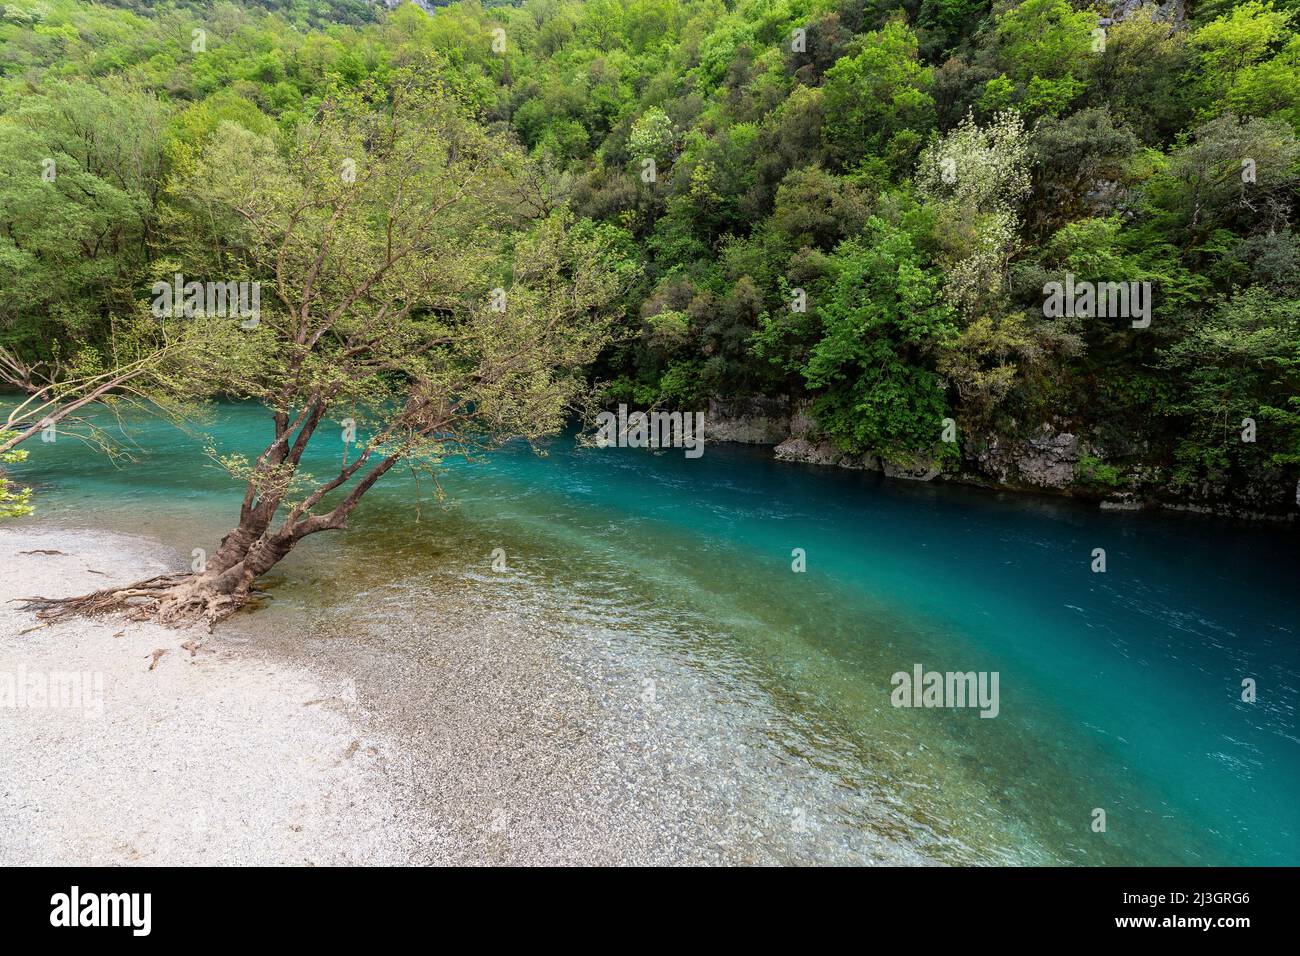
[(1119, 691)]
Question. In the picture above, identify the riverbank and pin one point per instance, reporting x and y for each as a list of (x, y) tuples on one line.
[(1047, 461), (129, 743), (284, 738)]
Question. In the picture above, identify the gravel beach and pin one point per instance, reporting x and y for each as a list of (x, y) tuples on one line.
[(194, 755), (360, 735)]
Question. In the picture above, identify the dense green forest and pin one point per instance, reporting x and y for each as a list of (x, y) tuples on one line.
[(855, 204)]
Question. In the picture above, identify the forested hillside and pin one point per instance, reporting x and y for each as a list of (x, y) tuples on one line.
[(862, 205)]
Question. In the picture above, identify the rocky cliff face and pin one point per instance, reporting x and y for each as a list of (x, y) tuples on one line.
[(756, 420), (1046, 459)]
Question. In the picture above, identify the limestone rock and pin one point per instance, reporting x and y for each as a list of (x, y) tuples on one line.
[(823, 452), (922, 470), (814, 453), (755, 420), (1047, 458)]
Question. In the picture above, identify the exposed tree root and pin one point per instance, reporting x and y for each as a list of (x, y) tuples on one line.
[(177, 600)]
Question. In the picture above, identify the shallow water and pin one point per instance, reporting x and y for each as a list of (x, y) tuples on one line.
[(1119, 691)]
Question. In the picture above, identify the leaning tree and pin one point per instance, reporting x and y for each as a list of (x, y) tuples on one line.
[(405, 288)]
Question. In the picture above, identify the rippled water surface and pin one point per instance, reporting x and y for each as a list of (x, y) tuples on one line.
[(1119, 691)]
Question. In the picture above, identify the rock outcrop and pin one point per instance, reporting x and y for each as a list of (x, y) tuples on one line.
[(795, 448), (1046, 459), (823, 452), (756, 420), (923, 469)]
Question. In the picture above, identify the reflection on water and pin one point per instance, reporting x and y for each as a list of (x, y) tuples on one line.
[(1119, 691)]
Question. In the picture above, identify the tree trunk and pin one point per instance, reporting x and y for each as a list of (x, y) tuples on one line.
[(247, 552)]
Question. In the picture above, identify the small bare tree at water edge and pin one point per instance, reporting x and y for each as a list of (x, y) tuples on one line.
[(405, 292)]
